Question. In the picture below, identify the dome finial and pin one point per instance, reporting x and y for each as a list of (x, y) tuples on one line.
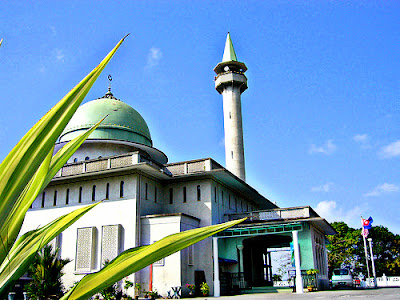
[(109, 94)]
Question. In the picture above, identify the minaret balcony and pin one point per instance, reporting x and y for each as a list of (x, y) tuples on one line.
[(230, 78)]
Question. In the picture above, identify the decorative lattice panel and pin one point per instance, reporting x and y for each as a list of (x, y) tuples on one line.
[(121, 161), (196, 166), (110, 242), (96, 165), (85, 246), (72, 169), (177, 169)]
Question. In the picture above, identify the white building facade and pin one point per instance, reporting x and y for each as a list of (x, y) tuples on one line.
[(145, 199)]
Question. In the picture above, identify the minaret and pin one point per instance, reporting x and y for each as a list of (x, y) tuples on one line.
[(231, 83)]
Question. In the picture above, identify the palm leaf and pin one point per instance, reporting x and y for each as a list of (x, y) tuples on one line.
[(135, 259), (42, 178), (24, 249), (20, 165)]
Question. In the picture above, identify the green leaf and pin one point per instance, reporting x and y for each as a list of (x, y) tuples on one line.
[(12, 225), (25, 158), (24, 249), (42, 178), (135, 259)]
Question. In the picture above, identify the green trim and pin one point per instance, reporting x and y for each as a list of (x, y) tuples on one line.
[(260, 230)]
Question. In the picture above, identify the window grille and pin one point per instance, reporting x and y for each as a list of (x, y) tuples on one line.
[(85, 249), (110, 242)]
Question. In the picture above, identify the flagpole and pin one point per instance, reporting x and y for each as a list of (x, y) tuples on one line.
[(366, 254), (365, 246), (372, 261)]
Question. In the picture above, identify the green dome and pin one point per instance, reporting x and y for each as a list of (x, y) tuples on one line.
[(123, 122)]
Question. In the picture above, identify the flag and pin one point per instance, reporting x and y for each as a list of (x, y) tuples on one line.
[(367, 223), (364, 232)]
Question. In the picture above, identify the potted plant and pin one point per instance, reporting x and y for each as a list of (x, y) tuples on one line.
[(138, 287), (146, 294), (153, 294), (313, 273), (204, 288), (191, 288)]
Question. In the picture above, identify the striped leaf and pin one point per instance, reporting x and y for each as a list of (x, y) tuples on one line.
[(42, 178), (135, 259), (24, 249), (22, 162)]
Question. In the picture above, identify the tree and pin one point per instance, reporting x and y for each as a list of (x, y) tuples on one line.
[(46, 272), (343, 247), (346, 250)]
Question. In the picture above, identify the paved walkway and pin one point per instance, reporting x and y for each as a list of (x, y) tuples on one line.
[(376, 294)]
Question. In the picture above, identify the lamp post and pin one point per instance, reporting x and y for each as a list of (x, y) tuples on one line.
[(372, 260)]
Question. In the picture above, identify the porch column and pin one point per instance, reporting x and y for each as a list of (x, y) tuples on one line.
[(240, 248), (217, 290), (296, 250)]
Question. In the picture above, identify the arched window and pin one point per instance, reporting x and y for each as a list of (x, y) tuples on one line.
[(184, 194), (87, 158), (75, 160), (80, 195), (94, 193), (198, 193), (55, 198), (107, 191), (67, 197), (121, 189), (43, 198)]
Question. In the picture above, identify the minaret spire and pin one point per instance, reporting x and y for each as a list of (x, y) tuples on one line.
[(229, 52), (231, 83)]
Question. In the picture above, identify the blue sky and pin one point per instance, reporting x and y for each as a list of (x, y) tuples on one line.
[(321, 115)]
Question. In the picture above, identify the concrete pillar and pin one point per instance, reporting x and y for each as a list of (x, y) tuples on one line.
[(217, 287), (241, 267), (296, 249), (234, 147)]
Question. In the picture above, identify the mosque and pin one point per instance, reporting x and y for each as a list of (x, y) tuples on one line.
[(146, 198)]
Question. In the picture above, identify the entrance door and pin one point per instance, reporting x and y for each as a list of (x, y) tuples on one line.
[(257, 259)]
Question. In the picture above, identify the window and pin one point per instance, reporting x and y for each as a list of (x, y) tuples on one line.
[(222, 198), (80, 195), (190, 255), (215, 194), (184, 194), (198, 193), (121, 189), (87, 158), (110, 242), (107, 191), (75, 160), (55, 198), (43, 198), (67, 197), (146, 191), (94, 193), (229, 201), (171, 196), (230, 115), (155, 194), (232, 154), (85, 249)]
